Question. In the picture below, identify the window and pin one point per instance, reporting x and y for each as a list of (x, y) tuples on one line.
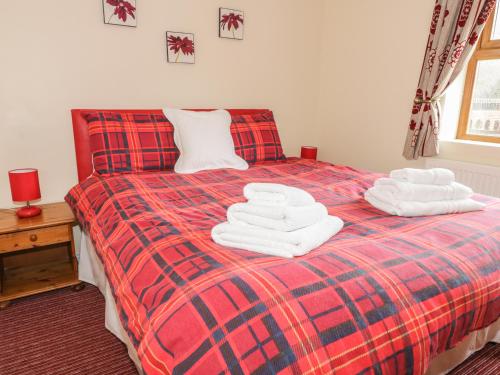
[(480, 114)]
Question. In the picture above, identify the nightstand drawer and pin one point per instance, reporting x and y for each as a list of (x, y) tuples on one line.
[(34, 238)]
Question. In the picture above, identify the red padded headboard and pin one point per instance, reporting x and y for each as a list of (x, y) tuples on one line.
[(81, 134)]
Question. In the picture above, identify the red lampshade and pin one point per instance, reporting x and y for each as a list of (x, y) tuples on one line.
[(309, 152), (24, 184)]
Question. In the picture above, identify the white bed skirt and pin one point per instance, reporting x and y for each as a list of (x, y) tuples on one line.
[(91, 271)]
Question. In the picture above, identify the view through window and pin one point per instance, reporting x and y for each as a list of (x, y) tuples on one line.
[(480, 117)]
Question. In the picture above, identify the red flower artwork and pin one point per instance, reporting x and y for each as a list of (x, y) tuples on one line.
[(122, 9), (231, 20), (185, 45), (180, 45)]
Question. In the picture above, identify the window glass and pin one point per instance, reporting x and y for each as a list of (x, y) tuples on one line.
[(484, 116), (495, 31)]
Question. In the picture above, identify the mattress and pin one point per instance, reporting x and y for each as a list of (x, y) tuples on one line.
[(387, 294)]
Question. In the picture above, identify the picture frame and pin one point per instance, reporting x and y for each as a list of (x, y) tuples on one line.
[(180, 47), (120, 12), (231, 23)]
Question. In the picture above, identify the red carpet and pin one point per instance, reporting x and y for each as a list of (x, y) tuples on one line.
[(62, 333), (484, 362)]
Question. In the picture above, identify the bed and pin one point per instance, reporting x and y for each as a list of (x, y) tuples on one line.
[(387, 295)]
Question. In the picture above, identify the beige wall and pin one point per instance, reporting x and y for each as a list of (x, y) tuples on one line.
[(57, 55), (371, 61)]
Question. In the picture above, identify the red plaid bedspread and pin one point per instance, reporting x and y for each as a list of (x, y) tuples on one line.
[(384, 296)]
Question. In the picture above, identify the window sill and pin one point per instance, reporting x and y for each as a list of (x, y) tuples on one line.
[(470, 151), (466, 142)]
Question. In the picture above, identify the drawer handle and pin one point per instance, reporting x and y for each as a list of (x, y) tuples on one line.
[(33, 237)]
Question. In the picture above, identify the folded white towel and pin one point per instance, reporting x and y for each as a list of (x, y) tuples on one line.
[(282, 218), (265, 194), (413, 208), (393, 190), (271, 242), (435, 176)]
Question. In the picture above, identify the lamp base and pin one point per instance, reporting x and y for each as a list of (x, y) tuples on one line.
[(28, 211)]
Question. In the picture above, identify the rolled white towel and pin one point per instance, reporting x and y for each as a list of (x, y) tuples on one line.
[(413, 208), (266, 194), (397, 190), (272, 242), (282, 218), (435, 176)]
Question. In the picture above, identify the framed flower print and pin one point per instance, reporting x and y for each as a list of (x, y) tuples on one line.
[(231, 23), (180, 47), (119, 12)]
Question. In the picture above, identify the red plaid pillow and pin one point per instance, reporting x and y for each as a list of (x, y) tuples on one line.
[(256, 137), (131, 142)]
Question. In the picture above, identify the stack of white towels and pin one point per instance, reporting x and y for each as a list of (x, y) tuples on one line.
[(421, 192), (276, 220)]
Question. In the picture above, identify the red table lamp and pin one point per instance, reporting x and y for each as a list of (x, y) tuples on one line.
[(309, 152), (24, 187)]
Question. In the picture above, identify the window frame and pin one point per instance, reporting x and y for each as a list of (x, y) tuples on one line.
[(486, 49)]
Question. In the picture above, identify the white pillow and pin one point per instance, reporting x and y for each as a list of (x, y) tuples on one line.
[(204, 140)]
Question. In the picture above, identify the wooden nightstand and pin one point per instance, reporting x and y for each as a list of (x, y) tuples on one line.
[(36, 254)]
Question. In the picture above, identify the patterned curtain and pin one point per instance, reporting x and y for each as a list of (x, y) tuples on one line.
[(455, 28)]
